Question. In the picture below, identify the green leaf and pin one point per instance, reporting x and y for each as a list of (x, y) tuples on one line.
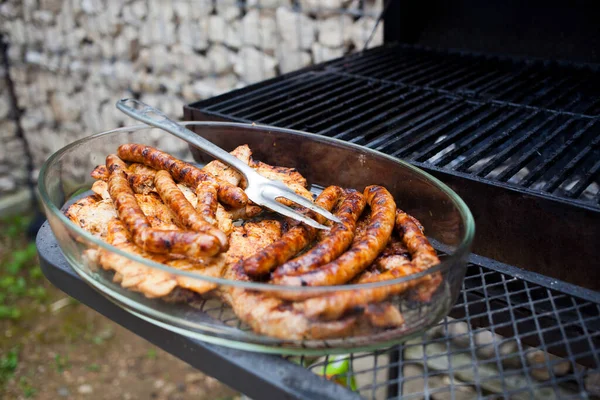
[(61, 363), (9, 312), (7, 282), (338, 370), (28, 390), (93, 367), (35, 272), (8, 364), (151, 354)]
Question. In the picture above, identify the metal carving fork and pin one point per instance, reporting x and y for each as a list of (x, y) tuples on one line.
[(260, 190)]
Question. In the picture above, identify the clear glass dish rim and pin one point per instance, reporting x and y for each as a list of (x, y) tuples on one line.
[(455, 256)]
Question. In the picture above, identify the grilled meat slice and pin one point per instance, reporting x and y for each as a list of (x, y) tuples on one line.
[(289, 176), (248, 239), (92, 214), (153, 282), (224, 172)]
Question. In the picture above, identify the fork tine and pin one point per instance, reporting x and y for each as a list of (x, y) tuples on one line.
[(296, 198), (288, 212)]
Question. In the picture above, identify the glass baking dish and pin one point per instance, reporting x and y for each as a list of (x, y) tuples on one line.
[(286, 328)]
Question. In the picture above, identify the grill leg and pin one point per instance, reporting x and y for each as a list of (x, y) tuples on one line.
[(394, 389)]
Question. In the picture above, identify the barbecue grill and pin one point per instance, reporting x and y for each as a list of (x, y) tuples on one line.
[(499, 101)]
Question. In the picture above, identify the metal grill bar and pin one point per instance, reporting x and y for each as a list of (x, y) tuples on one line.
[(383, 110), (301, 117), (475, 137), (424, 100), (585, 181), (417, 125), (388, 64), (486, 117), (455, 121), (508, 151), (528, 155), (553, 157), (321, 91), (281, 91), (555, 180), (495, 140), (390, 100)]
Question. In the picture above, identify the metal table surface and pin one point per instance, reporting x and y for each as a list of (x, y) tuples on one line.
[(257, 375)]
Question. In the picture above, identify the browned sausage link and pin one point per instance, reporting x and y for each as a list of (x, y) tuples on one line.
[(423, 254), (335, 305), (123, 197), (181, 171), (206, 192), (334, 243), (294, 240), (396, 264), (362, 252), (173, 197), (192, 244)]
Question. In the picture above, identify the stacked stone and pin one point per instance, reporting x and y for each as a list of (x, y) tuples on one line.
[(72, 59), (13, 171)]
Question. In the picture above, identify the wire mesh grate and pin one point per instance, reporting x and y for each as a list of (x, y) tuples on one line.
[(512, 123), (532, 342)]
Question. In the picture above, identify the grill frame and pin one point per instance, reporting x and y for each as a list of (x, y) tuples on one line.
[(506, 213)]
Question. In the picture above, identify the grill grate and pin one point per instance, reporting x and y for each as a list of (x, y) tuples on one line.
[(520, 314), (534, 126)]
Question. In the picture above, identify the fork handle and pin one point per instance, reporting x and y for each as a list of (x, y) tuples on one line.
[(149, 115)]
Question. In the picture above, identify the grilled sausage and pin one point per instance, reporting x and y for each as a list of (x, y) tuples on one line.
[(192, 244), (396, 265), (334, 243), (294, 240), (188, 216), (411, 231), (207, 204), (182, 171), (362, 252), (139, 176)]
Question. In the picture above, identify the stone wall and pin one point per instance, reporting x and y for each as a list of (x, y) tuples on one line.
[(13, 171), (70, 60)]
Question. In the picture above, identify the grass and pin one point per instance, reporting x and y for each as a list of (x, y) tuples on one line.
[(20, 274), (151, 354), (8, 365), (21, 290), (61, 363)]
